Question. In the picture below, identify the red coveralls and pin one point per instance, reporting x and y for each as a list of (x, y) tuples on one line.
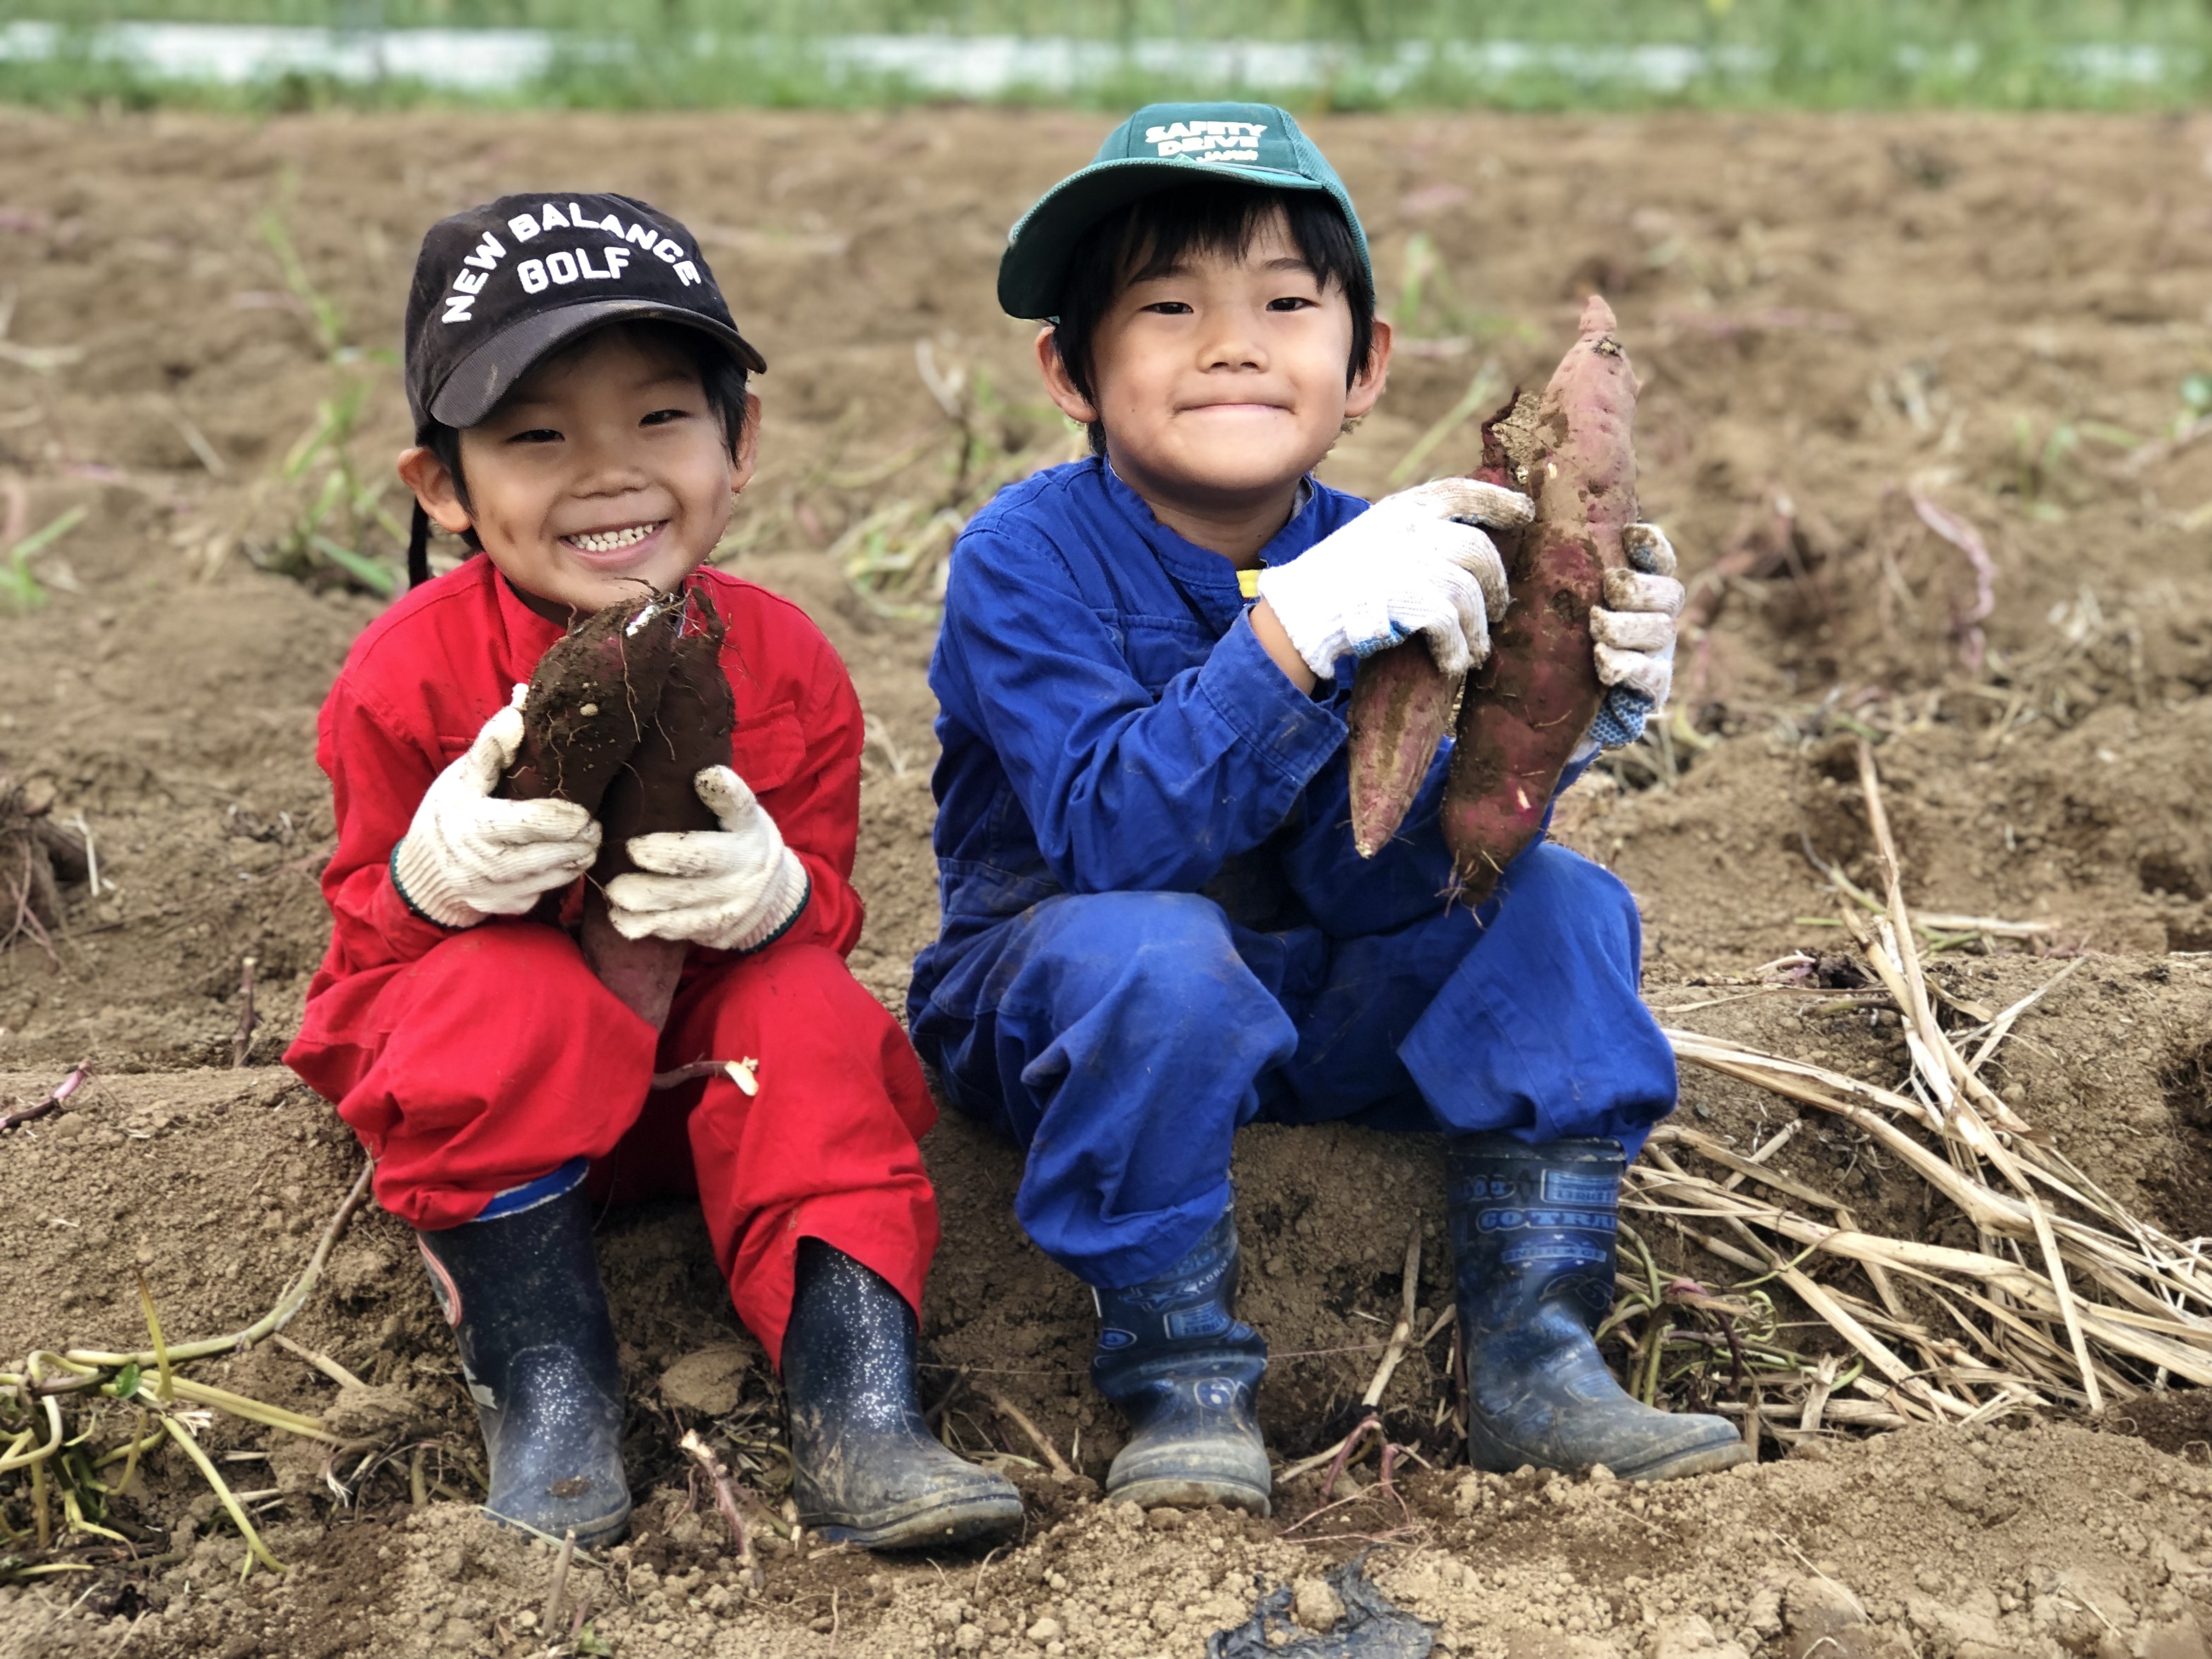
[(470, 1062)]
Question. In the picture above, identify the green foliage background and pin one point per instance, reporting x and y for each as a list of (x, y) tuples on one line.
[(2007, 54)]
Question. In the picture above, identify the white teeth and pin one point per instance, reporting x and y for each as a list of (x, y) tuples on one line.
[(609, 541)]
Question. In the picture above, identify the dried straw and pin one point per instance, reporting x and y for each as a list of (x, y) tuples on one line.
[(2070, 1299)]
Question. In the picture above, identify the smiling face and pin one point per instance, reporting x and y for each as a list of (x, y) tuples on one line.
[(1221, 380), (606, 468)]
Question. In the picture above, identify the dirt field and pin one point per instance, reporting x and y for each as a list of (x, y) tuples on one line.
[(1833, 317)]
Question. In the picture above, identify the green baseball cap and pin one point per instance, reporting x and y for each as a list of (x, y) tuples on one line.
[(1159, 147)]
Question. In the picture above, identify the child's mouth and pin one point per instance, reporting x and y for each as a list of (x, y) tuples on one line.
[(601, 543)]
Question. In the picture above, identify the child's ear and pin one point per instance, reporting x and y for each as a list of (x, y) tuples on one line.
[(1059, 384), (423, 472), (1367, 384), (746, 455)]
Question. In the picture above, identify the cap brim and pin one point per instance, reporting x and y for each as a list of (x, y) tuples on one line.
[(1035, 265), (487, 374)]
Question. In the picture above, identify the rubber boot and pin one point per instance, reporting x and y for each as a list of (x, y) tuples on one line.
[(1174, 1356), (521, 1290), (868, 1470), (1533, 1245)]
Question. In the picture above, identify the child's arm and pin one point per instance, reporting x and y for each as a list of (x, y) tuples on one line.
[(1124, 791), (423, 850)]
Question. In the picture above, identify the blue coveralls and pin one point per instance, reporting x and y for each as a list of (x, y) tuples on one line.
[(1156, 927)]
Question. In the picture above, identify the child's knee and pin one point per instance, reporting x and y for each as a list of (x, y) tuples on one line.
[(1550, 877), (1172, 950)]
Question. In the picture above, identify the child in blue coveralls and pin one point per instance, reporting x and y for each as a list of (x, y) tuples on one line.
[(1156, 927)]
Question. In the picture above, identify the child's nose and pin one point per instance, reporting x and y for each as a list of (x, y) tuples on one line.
[(607, 468), (1233, 343)]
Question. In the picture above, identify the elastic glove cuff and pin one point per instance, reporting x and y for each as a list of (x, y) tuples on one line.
[(779, 908), (415, 878), (1620, 717), (1299, 604)]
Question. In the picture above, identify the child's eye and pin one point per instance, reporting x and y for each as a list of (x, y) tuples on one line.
[(536, 434), (1290, 302), (1169, 308), (662, 416)]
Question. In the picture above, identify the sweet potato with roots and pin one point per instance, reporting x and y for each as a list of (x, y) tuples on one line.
[(592, 699), (614, 710), (1532, 699), (655, 793)]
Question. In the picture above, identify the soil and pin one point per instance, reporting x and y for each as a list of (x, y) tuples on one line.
[(1833, 316)]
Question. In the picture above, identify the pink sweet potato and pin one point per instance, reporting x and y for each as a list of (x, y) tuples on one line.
[(1535, 697), (655, 792), (1401, 704)]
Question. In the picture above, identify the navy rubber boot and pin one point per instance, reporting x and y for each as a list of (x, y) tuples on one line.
[(1174, 1356), (868, 1470), (1534, 1244), (521, 1290)]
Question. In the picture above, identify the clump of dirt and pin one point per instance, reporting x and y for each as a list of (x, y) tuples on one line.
[(37, 857), (1828, 342)]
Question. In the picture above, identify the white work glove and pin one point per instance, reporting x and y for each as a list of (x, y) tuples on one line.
[(1633, 635), (732, 889), (468, 855), (1415, 563)]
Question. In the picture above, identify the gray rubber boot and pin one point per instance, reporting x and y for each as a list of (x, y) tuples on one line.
[(522, 1293), (1533, 1245), (1174, 1356), (868, 1470)]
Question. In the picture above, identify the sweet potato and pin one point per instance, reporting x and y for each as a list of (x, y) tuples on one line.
[(655, 792), (1536, 696), (591, 698), (1533, 698), (593, 701), (1401, 704)]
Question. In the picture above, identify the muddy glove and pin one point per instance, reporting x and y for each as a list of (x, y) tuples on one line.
[(1633, 634), (732, 889), (467, 855), (1415, 563)]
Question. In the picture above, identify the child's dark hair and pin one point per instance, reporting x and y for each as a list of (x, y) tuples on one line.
[(721, 377), (1150, 236)]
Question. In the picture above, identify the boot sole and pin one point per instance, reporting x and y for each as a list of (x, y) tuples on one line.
[(940, 1526), (590, 1535), (1722, 1449), (1679, 1466), (1192, 1495), (1709, 1459)]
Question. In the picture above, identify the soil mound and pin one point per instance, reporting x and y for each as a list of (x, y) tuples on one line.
[(1929, 439)]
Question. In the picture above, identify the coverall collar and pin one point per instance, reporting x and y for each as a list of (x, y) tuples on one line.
[(527, 635), (1209, 579)]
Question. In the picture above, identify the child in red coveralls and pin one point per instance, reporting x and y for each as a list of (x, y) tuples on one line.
[(579, 395)]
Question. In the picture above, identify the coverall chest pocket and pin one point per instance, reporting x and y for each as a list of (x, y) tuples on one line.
[(769, 748), (1158, 648)]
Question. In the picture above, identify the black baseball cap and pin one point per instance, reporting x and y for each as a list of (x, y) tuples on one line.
[(499, 286)]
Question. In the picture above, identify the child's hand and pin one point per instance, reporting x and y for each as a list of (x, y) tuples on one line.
[(732, 889), (467, 855), (1634, 636), (1414, 562)]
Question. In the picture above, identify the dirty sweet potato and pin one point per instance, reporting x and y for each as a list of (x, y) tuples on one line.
[(1532, 700), (1401, 704), (1402, 701), (655, 793), (592, 699)]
